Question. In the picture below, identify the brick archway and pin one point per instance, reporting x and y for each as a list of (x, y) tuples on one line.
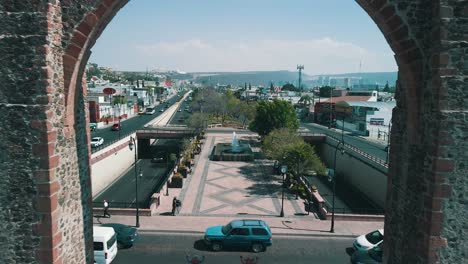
[(428, 153)]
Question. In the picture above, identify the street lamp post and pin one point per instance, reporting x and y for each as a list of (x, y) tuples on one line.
[(332, 228), (331, 108), (130, 145), (284, 169), (388, 140)]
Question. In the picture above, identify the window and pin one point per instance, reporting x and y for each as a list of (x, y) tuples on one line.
[(374, 237), (111, 242), (98, 246), (259, 232), (240, 232)]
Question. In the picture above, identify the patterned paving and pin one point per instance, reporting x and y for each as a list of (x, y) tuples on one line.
[(221, 188)]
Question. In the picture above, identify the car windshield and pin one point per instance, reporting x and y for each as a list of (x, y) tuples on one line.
[(374, 237), (226, 229), (95, 139)]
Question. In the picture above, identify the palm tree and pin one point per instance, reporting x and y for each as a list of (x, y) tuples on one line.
[(305, 100)]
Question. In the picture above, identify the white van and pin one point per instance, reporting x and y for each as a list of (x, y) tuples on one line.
[(105, 244)]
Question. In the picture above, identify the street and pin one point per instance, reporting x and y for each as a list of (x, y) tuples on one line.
[(123, 189), (153, 247), (374, 149), (129, 125)]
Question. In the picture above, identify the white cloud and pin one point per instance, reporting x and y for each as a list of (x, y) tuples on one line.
[(324, 55)]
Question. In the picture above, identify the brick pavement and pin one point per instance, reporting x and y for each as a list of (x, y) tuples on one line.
[(217, 192)]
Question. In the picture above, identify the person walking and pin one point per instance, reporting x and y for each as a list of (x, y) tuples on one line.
[(106, 208), (174, 205)]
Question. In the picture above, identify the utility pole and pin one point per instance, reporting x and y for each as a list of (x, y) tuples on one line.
[(300, 68)]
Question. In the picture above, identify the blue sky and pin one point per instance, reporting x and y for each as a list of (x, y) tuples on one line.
[(326, 36)]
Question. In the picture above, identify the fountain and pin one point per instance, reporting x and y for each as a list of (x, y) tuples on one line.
[(235, 146), (234, 151)]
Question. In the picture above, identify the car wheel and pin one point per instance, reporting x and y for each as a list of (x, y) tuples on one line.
[(216, 246), (257, 247)]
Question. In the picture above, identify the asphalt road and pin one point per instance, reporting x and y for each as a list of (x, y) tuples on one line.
[(129, 125), (122, 192), (173, 248), (375, 149)]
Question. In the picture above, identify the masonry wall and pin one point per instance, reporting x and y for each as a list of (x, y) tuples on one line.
[(45, 209), (370, 181)]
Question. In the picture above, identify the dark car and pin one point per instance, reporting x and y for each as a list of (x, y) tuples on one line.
[(253, 234), (371, 256), (116, 127), (159, 157), (126, 235)]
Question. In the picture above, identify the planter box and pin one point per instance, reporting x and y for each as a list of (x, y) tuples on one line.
[(183, 171), (176, 182)]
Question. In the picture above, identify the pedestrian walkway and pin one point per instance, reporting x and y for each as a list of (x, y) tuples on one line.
[(217, 192), (227, 188)]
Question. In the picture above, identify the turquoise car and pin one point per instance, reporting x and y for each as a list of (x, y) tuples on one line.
[(92, 126), (253, 234)]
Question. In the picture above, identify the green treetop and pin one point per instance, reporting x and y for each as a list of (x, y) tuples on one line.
[(274, 115)]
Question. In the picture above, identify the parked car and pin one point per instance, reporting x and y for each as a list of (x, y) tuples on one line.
[(371, 256), (116, 127), (92, 126), (368, 241), (126, 235), (179, 110), (97, 141), (161, 110), (254, 234), (105, 244)]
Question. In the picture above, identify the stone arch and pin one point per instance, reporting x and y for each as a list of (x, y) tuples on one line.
[(398, 32), (427, 156)]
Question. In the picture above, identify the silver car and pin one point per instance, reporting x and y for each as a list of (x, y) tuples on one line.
[(97, 141)]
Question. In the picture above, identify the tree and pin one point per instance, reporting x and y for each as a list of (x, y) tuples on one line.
[(275, 143), (386, 88), (247, 112), (301, 157), (274, 115), (289, 87), (326, 91), (290, 149), (118, 99), (305, 100), (197, 120)]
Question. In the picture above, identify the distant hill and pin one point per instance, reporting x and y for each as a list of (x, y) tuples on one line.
[(240, 78), (281, 77)]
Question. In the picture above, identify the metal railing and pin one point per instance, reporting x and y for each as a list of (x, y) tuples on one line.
[(366, 155), (142, 204), (110, 142), (359, 211)]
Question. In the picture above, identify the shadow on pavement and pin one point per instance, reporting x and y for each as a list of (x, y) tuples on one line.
[(200, 245), (166, 213), (350, 251)]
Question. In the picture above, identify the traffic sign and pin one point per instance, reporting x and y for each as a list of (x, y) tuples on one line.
[(109, 90)]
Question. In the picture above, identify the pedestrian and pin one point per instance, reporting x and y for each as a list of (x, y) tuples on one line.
[(106, 208), (178, 205), (174, 205)]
